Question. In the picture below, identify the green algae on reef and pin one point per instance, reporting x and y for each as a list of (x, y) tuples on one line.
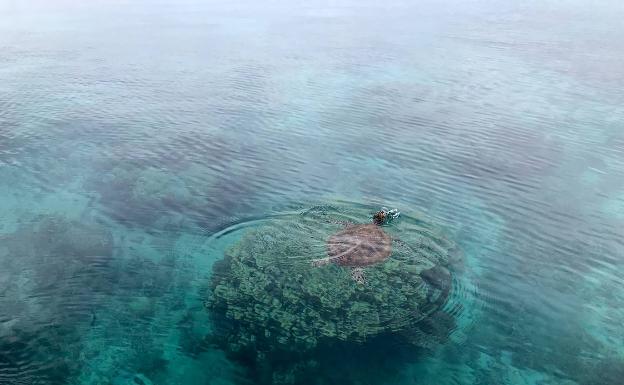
[(269, 302)]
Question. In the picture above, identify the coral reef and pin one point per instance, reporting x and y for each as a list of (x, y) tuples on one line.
[(56, 272), (61, 262), (37, 356), (268, 302)]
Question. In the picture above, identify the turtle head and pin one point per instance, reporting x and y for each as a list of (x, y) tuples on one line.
[(380, 217), (384, 216)]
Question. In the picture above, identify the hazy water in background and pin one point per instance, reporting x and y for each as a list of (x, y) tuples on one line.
[(130, 131)]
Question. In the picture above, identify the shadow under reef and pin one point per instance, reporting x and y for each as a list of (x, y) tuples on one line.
[(378, 361)]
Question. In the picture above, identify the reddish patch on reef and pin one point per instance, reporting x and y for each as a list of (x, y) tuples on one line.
[(359, 245)]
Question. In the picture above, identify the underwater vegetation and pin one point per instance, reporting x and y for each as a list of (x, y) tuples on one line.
[(283, 316)]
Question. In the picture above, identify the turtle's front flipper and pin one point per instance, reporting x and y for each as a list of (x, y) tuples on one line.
[(326, 260)]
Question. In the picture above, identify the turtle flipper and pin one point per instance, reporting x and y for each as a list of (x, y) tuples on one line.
[(322, 261)]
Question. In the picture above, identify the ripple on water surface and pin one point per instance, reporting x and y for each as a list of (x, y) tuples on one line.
[(287, 311), (110, 303)]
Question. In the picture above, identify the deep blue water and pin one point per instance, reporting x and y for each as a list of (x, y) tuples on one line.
[(131, 132)]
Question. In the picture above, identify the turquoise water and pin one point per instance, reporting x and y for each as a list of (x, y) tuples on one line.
[(139, 139)]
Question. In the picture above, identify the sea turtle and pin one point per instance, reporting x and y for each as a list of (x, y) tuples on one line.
[(360, 245)]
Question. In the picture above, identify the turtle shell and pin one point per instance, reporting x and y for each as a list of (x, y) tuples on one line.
[(359, 245)]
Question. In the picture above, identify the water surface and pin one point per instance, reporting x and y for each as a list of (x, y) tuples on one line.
[(131, 132)]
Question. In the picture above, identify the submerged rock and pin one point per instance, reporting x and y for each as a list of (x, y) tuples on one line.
[(271, 306)]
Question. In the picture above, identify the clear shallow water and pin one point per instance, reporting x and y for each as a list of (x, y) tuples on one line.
[(132, 132)]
